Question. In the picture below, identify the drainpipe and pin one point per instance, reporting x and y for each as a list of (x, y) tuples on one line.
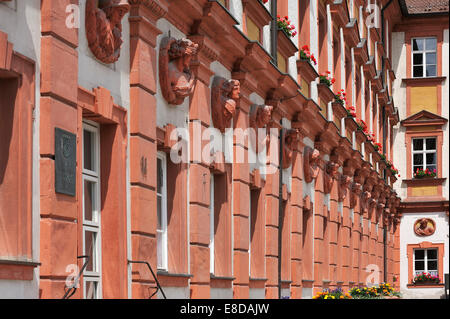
[(274, 32), (383, 32), (280, 208)]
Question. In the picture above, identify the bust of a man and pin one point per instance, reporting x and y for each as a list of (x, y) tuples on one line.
[(180, 76), (176, 79), (224, 101)]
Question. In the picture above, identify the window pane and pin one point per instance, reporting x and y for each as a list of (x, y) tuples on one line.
[(160, 176), (431, 158), (417, 144), (417, 44), (89, 246), (417, 58), (430, 44), (419, 254), (431, 70), (432, 254), (91, 289), (431, 58), (159, 212), (89, 201), (430, 144), (420, 265), (418, 71), (432, 265), (88, 140), (159, 249), (418, 159)]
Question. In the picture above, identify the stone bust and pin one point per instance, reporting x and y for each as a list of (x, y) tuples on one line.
[(176, 79), (104, 28), (225, 95), (260, 117), (290, 139)]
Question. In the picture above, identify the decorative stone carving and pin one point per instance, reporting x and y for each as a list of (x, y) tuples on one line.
[(175, 77), (224, 96), (311, 158), (260, 117), (330, 174), (344, 183), (355, 192), (290, 139), (104, 28), (364, 201)]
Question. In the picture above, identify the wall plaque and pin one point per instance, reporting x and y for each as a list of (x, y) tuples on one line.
[(424, 227), (65, 162)]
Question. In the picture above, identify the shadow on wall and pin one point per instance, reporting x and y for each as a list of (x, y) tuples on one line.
[(8, 93)]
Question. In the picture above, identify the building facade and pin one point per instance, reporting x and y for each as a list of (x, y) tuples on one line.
[(421, 139), (127, 147)]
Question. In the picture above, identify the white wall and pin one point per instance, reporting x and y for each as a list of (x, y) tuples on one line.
[(407, 236), (21, 20), (399, 96), (93, 73), (445, 112)]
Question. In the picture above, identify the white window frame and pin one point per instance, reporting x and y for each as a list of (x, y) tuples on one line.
[(424, 151), (162, 248), (424, 57), (95, 225), (425, 260), (211, 224)]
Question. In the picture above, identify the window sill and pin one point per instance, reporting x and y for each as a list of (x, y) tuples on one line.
[(423, 181), (169, 274), (430, 80), (440, 285)]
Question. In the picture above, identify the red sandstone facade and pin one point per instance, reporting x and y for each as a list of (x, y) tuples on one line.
[(334, 214)]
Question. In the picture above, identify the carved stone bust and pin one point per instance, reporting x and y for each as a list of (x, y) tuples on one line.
[(104, 28), (260, 117), (175, 76), (344, 184), (330, 174), (311, 163), (224, 96), (290, 139)]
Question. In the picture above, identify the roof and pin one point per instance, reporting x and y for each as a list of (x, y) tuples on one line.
[(421, 7)]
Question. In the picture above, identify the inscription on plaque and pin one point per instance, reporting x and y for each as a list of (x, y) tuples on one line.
[(65, 162)]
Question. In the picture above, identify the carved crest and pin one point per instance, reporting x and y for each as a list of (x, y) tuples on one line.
[(224, 97), (104, 28), (290, 139), (175, 76), (311, 164)]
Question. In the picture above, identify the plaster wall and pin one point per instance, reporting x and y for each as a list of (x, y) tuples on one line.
[(21, 21)]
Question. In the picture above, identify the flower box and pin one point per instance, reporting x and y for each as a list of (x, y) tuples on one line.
[(351, 33), (325, 93), (361, 52), (369, 68)]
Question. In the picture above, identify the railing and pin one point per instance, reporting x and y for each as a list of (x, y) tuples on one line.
[(70, 290), (158, 286)]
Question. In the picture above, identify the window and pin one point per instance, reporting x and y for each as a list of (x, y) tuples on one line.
[(426, 260), (161, 197), (91, 210), (424, 57), (424, 154)]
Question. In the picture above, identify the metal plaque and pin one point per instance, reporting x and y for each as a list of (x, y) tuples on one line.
[(65, 162)]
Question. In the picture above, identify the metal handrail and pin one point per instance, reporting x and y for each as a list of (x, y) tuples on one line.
[(70, 291), (158, 286)]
